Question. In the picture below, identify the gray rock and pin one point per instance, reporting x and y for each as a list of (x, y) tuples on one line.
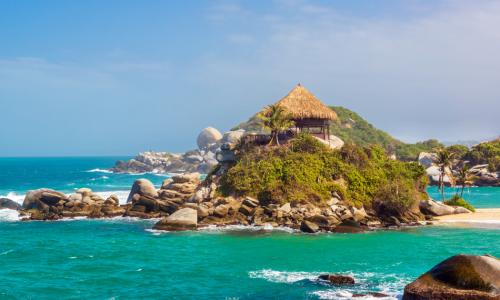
[(183, 219), (52, 198), (285, 208), (462, 210), (460, 277), (224, 155), (202, 212), (427, 159), (33, 195), (143, 187), (221, 211), (436, 208), (251, 202), (75, 197), (85, 191), (208, 136), (358, 214), (308, 227), (193, 158), (233, 136), (338, 279), (333, 201), (9, 204)]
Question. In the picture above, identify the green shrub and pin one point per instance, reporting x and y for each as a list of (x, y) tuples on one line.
[(307, 171), (457, 201), (460, 151)]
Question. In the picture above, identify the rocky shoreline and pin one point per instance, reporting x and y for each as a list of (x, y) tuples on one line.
[(185, 202)]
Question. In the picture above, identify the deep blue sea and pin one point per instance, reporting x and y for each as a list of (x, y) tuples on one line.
[(123, 258)]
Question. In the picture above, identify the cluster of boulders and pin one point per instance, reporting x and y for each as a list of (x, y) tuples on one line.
[(145, 202), (210, 141), (162, 162), (483, 177), (9, 204), (47, 204)]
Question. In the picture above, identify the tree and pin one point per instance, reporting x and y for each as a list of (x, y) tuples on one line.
[(443, 163), (276, 120), (465, 178)]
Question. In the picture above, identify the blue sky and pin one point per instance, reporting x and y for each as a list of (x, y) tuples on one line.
[(121, 77)]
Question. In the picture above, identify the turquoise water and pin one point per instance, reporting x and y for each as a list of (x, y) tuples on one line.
[(124, 259), (479, 197)]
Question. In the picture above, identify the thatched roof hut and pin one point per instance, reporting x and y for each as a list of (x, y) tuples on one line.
[(303, 105)]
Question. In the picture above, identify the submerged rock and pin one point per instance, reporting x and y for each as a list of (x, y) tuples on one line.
[(184, 219), (460, 277), (9, 204), (338, 279), (348, 226)]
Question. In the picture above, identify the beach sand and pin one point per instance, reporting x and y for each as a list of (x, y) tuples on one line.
[(489, 214)]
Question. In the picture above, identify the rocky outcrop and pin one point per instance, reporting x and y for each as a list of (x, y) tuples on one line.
[(142, 187), (333, 143), (184, 219), (435, 208), (338, 279), (163, 162), (9, 204), (460, 277), (45, 204)]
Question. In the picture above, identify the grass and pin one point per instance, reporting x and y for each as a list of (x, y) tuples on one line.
[(457, 201)]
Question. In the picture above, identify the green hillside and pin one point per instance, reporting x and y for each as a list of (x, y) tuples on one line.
[(351, 128)]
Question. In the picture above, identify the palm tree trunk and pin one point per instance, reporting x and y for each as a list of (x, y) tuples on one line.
[(277, 139), (442, 185), (463, 186)]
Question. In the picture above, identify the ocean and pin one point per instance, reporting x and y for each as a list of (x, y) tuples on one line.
[(123, 258)]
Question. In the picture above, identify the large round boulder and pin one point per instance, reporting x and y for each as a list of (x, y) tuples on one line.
[(460, 277), (143, 187), (435, 208), (208, 136)]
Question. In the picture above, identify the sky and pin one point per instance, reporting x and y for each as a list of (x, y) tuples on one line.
[(86, 78)]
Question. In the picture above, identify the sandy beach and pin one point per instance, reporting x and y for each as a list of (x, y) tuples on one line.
[(489, 214)]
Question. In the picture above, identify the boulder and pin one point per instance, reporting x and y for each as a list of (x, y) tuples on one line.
[(320, 220), (427, 159), (358, 214), (348, 226), (333, 201), (225, 155), (208, 136), (84, 191), (201, 211), (33, 195), (371, 294), (165, 183), (233, 136), (184, 219), (143, 187), (193, 158), (462, 210), (181, 178), (335, 142), (286, 208), (245, 210), (251, 202), (75, 197), (52, 198), (338, 279), (151, 204), (308, 227), (460, 277), (221, 211), (9, 204), (169, 207), (435, 208), (393, 221)]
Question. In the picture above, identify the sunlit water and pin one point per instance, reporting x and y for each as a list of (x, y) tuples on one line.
[(123, 258)]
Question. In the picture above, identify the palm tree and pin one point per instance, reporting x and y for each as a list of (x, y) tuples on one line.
[(465, 178), (443, 162), (276, 120)]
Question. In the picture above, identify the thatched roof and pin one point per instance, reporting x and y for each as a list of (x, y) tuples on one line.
[(303, 105)]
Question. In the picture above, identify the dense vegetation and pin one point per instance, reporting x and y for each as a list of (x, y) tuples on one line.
[(307, 171), (459, 150), (351, 128), (485, 153)]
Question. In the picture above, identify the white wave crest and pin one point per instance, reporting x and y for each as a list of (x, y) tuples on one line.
[(99, 170), (14, 197), (8, 215), (250, 227), (284, 277)]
